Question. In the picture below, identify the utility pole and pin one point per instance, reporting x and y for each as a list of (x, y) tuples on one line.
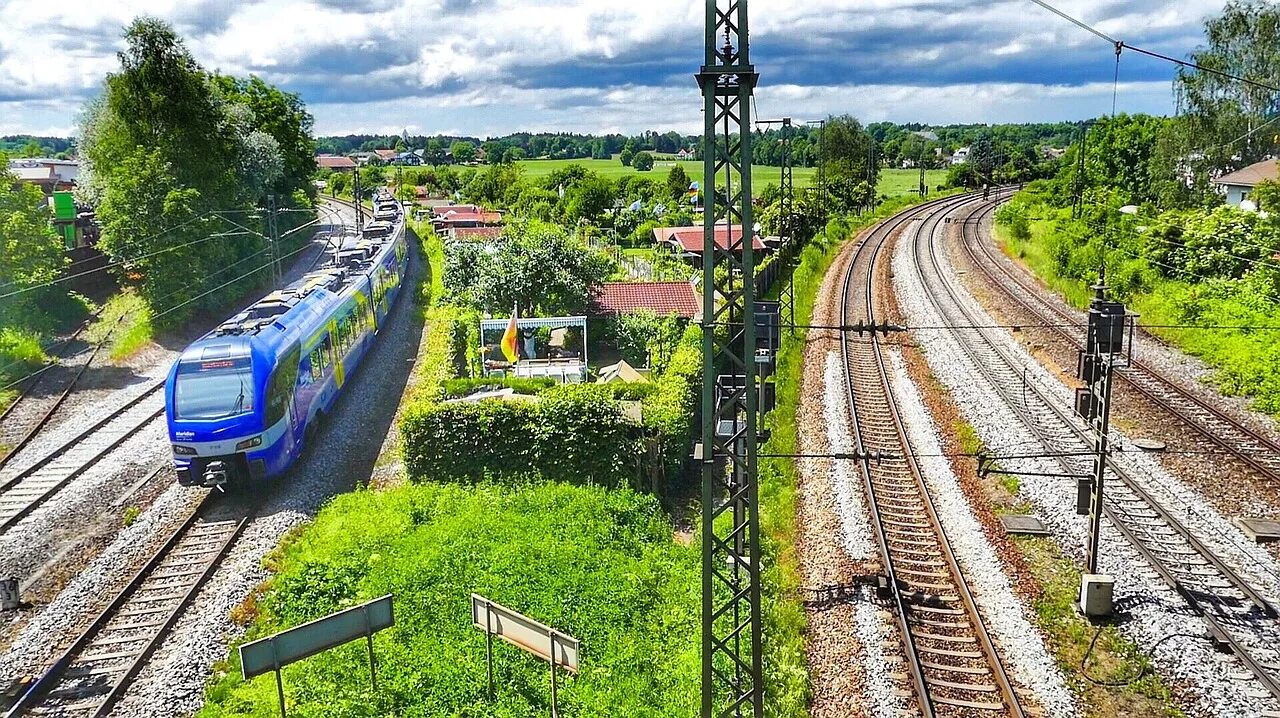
[(355, 191), (1104, 346), (1077, 205), (273, 241), (732, 659), (788, 226)]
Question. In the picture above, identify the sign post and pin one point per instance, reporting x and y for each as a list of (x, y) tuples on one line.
[(273, 653), (558, 649)]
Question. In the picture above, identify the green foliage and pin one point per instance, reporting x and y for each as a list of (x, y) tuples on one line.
[(32, 253), (642, 162), (627, 156), (536, 266), (598, 564), (20, 354), (575, 433), (462, 151), (668, 413), (677, 184), (165, 146), (645, 339), (847, 152)]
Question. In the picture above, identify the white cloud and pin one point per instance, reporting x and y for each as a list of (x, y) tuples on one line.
[(499, 65)]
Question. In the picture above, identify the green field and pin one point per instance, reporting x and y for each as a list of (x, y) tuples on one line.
[(893, 183)]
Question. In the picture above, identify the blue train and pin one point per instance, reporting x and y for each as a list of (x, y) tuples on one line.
[(244, 400)]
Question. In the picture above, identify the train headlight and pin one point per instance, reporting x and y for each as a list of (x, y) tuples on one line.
[(180, 450), (249, 443)]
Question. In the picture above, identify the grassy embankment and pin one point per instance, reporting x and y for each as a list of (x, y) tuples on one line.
[(1246, 362)]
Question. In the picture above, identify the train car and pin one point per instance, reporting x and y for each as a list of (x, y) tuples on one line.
[(243, 401)]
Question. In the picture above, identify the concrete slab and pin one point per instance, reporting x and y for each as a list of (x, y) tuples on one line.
[(1023, 525), (1260, 530)]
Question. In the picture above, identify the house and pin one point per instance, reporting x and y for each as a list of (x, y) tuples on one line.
[(407, 158), (385, 155), (449, 217), (337, 163), (365, 158), (475, 234), (662, 298), (688, 241), (47, 174), (686, 154), (960, 156), (1238, 185), (1052, 153)]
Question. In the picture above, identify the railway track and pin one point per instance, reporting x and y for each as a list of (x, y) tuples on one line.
[(1237, 615), (26, 489), (92, 675), (23, 419), (954, 667), (1257, 451)]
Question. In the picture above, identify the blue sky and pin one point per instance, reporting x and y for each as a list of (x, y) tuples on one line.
[(487, 67)]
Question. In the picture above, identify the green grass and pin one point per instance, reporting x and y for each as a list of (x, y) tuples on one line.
[(598, 564), (20, 354), (433, 253), (893, 182), (1114, 658), (1246, 363), (125, 324)]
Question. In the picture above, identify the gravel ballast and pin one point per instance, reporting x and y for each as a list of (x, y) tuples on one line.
[(1209, 683)]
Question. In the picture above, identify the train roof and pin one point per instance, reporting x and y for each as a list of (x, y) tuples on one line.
[(283, 307)]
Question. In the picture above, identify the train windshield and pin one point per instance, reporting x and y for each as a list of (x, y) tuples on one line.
[(214, 389)]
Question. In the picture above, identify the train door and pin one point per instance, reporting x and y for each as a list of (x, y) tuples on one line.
[(280, 416)]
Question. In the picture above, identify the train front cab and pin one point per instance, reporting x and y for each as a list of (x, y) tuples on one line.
[(229, 423)]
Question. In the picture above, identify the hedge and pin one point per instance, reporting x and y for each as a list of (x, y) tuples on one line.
[(574, 433), (670, 411)]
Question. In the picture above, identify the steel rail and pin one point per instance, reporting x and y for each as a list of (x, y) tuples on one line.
[(42, 489), (115, 627), (1199, 598), (1150, 382), (955, 677)]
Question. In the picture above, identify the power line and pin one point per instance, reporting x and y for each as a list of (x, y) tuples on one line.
[(1121, 45)]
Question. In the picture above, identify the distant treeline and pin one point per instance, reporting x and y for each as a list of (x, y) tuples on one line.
[(894, 143), (33, 146)]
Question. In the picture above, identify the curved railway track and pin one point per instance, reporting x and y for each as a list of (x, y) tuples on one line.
[(92, 675), (1236, 614), (1215, 425), (26, 489), (954, 667)]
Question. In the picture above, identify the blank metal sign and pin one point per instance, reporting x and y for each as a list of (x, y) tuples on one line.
[(524, 632), (295, 644)]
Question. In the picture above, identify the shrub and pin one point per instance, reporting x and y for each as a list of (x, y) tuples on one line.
[(575, 433)]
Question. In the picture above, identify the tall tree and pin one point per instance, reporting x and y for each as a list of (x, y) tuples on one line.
[(284, 117), (848, 152), (32, 252), (1243, 41)]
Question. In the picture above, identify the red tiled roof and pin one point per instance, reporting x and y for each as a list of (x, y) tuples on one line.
[(386, 154), (1253, 175), (466, 208), (663, 298), (476, 232), (690, 239), (335, 162)]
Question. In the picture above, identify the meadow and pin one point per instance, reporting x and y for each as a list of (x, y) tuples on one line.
[(893, 182)]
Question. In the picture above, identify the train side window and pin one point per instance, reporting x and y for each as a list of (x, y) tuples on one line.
[(280, 388)]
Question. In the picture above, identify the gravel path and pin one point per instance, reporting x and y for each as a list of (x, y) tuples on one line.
[(347, 449), (1209, 683)]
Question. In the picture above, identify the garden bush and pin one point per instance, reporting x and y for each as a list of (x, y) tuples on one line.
[(575, 433)]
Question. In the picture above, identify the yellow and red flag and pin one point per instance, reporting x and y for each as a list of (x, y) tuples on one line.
[(509, 338)]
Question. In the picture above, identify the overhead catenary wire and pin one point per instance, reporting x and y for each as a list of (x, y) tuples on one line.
[(1122, 45)]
